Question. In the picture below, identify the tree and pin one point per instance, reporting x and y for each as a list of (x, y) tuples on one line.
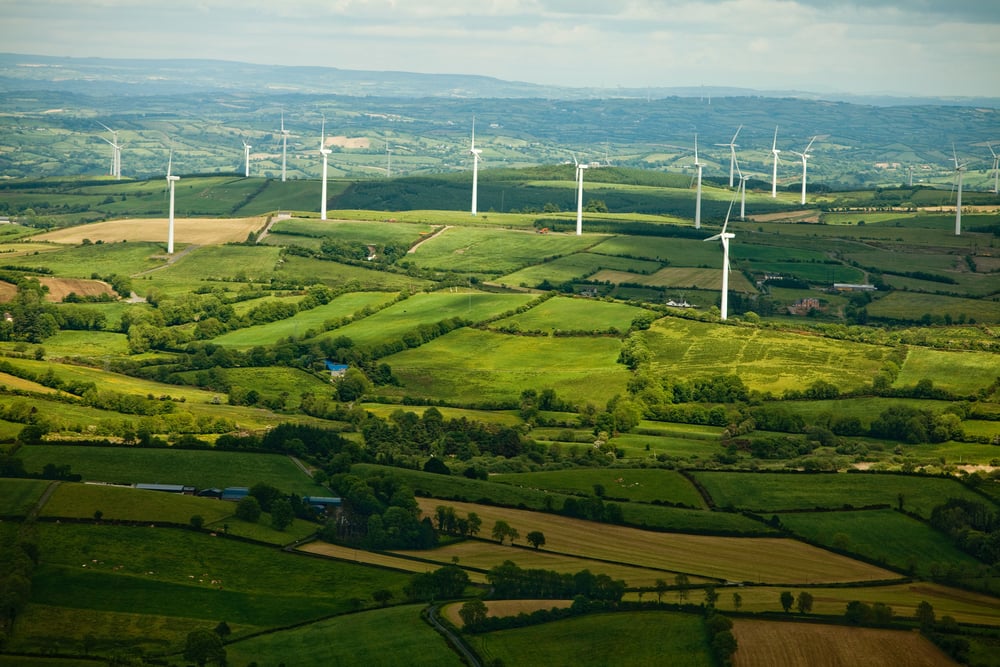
[(197, 521), (660, 588), (737, 601), (473, 612), (382, 596), (203, 647), (223, 630), (925, 615), (535, 538), (804, 603), (475, 523), (248, 509), (501, 529), (787, 600), (711, 597), (682, 582), (282, 514)]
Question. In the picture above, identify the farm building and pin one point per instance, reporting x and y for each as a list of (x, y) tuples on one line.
[(234, 493), (848, 287), (322, 503), (168, 488), (336, 370)]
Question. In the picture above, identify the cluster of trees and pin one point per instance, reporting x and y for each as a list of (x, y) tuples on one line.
[(972, 526), (509, 581), (18, 559), (378, 512), (441, 584), (450, 523), (405, 432), (877, 614), (265, 498), (804, 601)]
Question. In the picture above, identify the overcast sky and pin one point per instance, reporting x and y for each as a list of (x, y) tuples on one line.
[(924, 47)]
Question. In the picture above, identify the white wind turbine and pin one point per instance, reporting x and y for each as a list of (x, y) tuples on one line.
[(324, 152), (774, 169), (579, 195), (732, 154), (805, 158), (996, 169), (116, 152), (475, 169), (171, 180), (743, 192), (388, 159), (959, 170), (246, 158), (724, 237), (697, 201), (284, 146)]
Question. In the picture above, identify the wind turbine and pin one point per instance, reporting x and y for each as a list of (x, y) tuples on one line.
[(732, 154), (475, 169), (325, 152), (116, 153), (171, 180), (996, 169), (579, 195), (743, 192), (774, 168), (246, 158), (724, 237), (284, 146), (697, 202), (805, 158), (959, 170), (388, 159)]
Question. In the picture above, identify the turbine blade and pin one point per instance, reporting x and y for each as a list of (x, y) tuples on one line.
[(774, 144)]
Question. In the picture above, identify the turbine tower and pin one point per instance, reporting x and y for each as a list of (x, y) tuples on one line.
[(805, 159), (324, 152), (579, 196), (724, 237), (732, 154), (697, 201), (475, 169), (996, 169), (284, 146), (116, 153), (246, 159), (774, 168), (959, 170), (388, 159), (743, 192), (171, 180)]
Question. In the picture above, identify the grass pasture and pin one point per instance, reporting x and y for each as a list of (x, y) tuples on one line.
[(912, 306), (503, 251), (765, 360), (957, 371), (603, 639), (575, 267), (484, 367), (884, 536), (198, 468), (407, 315), (345, 305), (680, 277), (813, 645), (423, 562), (379, 638), (634, 485), (82, 261), (311, 271), (349, 231), (575, 314), (18, 496), (774, 492), (758, 559)]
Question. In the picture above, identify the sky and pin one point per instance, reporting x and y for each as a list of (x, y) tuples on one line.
[(908, 47)]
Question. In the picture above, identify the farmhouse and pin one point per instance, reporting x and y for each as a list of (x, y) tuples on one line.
[(336, 370), (325, 504), (803, 306), (234, 493), (848, 287)]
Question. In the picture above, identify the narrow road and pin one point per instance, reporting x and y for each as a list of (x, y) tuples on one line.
[(456, 641), (170, 260), (426, 239), (44, 498)]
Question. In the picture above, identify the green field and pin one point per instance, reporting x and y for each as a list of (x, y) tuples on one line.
[(407, 315), (634, 485), (575, 267), (912, 306), (18, 496), (577, 314), (484, 367), (884, 536), (603, 639), (771, 492), (765, 360), (201, 469), (119, 584), (83, 261), (382, 637), (957, 371), (297, 230)]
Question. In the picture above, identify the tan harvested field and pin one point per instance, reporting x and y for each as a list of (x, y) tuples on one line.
[(484, 555), (60, 287), (193, 231), (349, 142), (749, 559), (769, 643), (382, 560), (502, 608), (7, 292), (20, 384), (964, 606)]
